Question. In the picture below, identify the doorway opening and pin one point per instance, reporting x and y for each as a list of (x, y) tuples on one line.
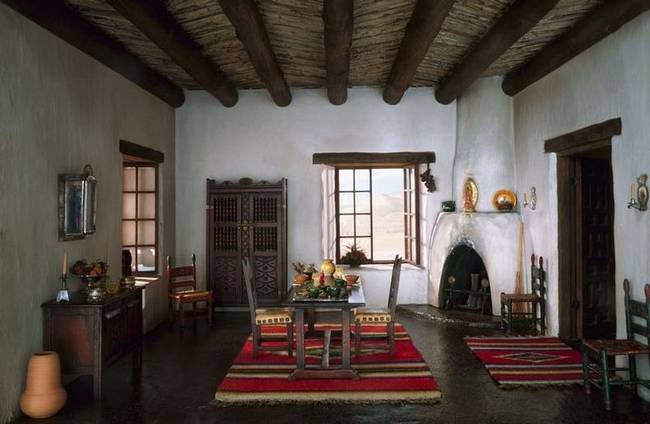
[(586, 267)]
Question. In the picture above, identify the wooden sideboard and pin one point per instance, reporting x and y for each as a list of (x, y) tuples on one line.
[(90, 336)]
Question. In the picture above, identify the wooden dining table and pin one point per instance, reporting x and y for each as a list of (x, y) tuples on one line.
[(304, 306)]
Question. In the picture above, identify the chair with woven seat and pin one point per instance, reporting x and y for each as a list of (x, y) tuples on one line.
[(265, 316), (535, 301), (380, 315), (183, 292), (596, 354)]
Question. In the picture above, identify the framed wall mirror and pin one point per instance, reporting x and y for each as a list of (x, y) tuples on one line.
[(77, 204)]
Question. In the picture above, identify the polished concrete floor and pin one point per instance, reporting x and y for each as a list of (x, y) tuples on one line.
[(182, 371)]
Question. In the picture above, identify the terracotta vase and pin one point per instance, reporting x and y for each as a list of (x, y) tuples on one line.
[(43, 396)]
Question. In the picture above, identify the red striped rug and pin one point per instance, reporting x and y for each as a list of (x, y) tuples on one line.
[(520, 361), (404, 377)]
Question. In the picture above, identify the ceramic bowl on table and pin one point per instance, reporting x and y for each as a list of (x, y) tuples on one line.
[(352, 279)]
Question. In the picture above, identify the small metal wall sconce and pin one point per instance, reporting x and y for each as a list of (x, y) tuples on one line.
[(428, 180), (639, 194), (530, 199)]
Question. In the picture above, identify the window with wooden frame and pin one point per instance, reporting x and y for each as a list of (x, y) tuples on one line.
[(377, 209), (140, 216)]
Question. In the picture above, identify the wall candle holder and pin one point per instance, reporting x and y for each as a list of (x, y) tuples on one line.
[(530, 199), (639, 194)]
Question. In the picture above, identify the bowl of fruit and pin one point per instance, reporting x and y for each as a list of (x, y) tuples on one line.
[(91, 274)]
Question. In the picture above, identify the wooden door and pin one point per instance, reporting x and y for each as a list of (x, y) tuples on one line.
[(595, 248), (224, 255), (264, 243)]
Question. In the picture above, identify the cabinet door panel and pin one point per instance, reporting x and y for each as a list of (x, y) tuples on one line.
[(224, 246)]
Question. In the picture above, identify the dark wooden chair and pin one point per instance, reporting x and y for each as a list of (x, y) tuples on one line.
[(183, 292), (536, 302), (380, 315), (265, 316), (596, 354)]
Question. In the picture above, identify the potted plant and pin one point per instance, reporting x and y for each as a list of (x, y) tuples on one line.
[(355, 256)]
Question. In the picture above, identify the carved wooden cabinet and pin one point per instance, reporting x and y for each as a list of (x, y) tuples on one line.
[(90, 336), (246, 219)]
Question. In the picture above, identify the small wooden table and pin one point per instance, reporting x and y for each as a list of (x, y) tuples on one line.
[(355, 299)]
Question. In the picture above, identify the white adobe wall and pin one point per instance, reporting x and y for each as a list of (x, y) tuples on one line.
[(260, 140), (485, 148), (609, 80), (60, 109)]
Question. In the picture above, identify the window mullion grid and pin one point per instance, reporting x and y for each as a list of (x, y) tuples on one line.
[(354, 206), (372, 238), (137, 223)]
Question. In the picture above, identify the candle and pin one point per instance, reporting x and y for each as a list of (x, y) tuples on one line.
[(632, 191), (65, 263)]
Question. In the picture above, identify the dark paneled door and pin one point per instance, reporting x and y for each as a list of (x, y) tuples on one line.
[(595, 247)]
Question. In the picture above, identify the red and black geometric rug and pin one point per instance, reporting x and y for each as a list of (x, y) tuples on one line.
[(520, 361), (402, 378)]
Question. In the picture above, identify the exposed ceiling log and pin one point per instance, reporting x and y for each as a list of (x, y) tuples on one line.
[(154, 20), (337, 15), (244, 16), (425, 23), (517, 21), (60, 20), (598, 24)]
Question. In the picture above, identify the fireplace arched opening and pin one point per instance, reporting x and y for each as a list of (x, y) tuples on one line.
[(464, 282)]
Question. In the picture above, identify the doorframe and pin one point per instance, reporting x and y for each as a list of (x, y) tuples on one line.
[(566, 147)]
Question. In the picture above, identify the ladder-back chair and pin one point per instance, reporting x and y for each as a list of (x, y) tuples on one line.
[(380, 315), (265, 316), (183, 292), (536, 301), (596, 353)]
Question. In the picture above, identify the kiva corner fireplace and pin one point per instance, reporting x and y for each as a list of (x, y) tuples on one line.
[(480, 243)]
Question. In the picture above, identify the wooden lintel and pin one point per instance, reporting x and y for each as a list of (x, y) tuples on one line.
[(585, 136), (517, 21), (338, 20), (141, 152), (373, 159), (154, 20), (56, 17), (605, 19), (246, 19), (424, 25)]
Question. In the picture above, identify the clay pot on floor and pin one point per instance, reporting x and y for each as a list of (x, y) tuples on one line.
[(43, 396)]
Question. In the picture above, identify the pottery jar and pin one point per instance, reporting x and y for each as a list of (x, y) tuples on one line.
[(43, 396)]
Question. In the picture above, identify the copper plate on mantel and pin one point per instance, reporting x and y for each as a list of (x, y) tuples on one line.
[(504, 200)]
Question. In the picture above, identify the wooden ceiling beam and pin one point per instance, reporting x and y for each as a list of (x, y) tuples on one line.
[(424, 25), (605, 19), (520, 18), (56, 17), (154, 20), (338, 19), (246, 19)]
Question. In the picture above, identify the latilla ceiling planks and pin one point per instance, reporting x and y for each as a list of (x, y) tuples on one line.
[(110, 21), (295, 29)]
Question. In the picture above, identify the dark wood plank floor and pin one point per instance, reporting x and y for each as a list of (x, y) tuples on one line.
[(181, 374)]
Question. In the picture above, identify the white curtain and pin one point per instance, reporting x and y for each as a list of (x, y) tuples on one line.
[(328, 226)]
